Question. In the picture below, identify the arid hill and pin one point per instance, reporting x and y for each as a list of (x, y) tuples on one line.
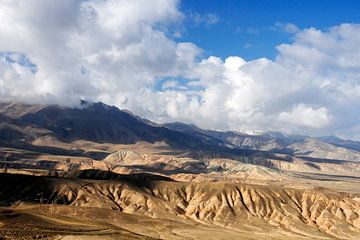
[(241, 210)]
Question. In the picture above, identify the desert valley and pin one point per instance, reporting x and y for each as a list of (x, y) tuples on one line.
[(69, 174)]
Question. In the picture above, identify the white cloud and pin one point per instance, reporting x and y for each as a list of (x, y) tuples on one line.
[(117, 51), (304, 115), (118, 43)]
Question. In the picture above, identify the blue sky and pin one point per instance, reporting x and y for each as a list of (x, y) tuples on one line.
[(250, 28)]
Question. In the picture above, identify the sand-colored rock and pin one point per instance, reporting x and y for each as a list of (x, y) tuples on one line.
[(229, 207)]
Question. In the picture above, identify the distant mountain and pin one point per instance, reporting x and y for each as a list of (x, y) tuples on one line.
[(92, 121), (263, 142), (98, 122), (350, 144), (322, 147)]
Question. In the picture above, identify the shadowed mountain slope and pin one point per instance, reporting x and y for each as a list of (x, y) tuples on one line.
[(94, 122), (97, 122)]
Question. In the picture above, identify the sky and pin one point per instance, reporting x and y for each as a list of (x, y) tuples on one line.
[(245, 65), (253, 28)]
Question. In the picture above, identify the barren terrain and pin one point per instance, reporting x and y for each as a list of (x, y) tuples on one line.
[(139, 206), (70, 174)]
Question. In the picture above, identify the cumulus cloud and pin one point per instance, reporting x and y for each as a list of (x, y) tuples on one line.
[(100, 50), (303, 115), (122, 53)]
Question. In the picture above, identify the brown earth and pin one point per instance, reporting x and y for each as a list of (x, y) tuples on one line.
[(175, 210), (136, 191)]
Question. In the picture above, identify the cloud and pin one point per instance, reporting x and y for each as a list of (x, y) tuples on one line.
[(312, 87), (207, 19), (286, 27), (123, 53), (211, 19), (101, 48), (303, 115)]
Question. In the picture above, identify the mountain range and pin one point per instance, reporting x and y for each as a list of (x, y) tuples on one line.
[(97, 172), (22, 124)]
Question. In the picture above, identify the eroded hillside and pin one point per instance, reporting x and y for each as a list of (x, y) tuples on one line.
[(234, 208)]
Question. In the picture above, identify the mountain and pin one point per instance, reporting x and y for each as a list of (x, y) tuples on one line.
[(350, 144), (321, 147), (97, 122), (91, 121), (269, 141), (98, 172)]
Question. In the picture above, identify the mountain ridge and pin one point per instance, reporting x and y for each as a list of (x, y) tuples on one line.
[(23, 123), (277, 142)]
